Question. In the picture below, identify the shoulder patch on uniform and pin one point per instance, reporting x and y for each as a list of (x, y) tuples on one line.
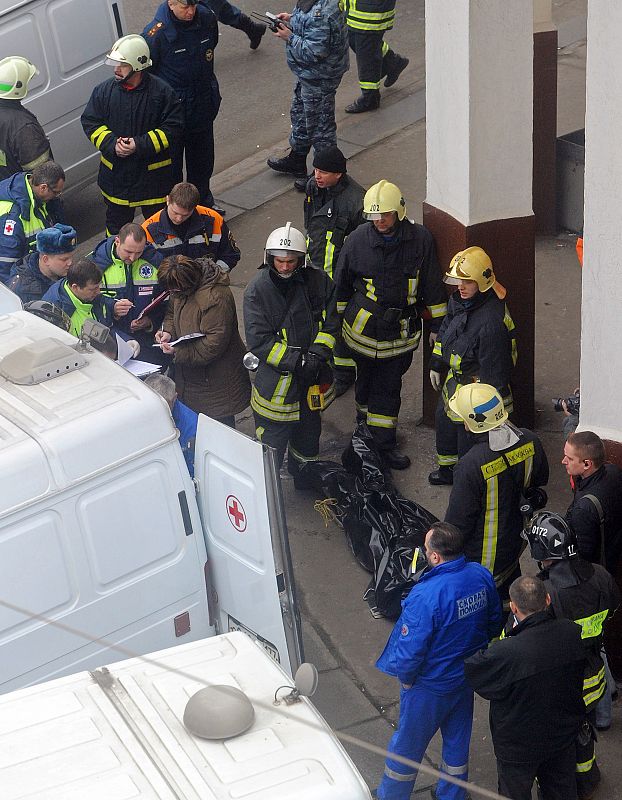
[(9, 227), (471, 604), (493, 468), (152, 31), (404, 630), (521, 453), (145, 270)]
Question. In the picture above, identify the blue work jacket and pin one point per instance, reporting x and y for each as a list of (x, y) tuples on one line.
[(452, 612)]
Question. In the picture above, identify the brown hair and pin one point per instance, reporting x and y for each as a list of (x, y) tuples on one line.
[(133, 229), (446, 540), (528, 594), (180, 274), (589, 446), (83, 272), (184, 195)]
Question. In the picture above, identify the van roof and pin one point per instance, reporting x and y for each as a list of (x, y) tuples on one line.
[(118, 733), (59, 432)]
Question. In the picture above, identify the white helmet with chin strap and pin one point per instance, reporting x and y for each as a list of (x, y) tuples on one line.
[(132, 51), (16, 72), (283, 242)]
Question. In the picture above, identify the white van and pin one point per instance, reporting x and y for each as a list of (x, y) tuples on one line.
[(118, 734), (102, 529), (67, 40)]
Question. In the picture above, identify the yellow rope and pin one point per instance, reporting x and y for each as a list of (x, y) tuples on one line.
[(324, 508)]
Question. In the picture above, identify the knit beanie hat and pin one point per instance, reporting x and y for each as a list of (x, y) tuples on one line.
[(331, 159)]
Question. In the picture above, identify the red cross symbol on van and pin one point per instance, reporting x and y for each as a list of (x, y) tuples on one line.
[(236, 514)]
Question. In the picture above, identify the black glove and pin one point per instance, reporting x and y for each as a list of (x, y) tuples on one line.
[(537, 497), (308, 368)]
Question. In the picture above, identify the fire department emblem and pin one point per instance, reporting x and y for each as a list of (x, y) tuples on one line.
[(209, 55)]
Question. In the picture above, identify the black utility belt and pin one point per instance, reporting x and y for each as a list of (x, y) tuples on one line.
[(387, 313)]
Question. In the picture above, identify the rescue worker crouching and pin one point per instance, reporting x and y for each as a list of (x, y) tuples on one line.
[(492, 481), (587, 594), (291, 322), (476, 342), (386, 274)]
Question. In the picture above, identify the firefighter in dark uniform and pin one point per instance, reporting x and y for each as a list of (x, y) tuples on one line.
[(387, 273), (182, 41), (333, 208), (23, 143), (184, 228), (477, 341), (367, 22), (133, 119), (492, 481), (291, 322), (587, 594)]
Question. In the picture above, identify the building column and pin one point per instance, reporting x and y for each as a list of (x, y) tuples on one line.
[(479, 111), (544, 118)]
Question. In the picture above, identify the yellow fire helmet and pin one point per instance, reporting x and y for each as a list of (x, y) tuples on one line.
[(474, 264), (480, 406), (381, 198)]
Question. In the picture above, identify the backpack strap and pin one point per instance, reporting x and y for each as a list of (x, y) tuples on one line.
[(601, 519)]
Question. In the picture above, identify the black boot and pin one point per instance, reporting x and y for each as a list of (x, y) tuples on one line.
[(368, 101), (443, 476), (395, 460), (293, 163), (300, 184), (395, 66), (254, 30)]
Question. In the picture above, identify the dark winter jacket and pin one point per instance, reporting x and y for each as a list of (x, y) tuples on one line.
[(586, 594), (283, 319), (583, 517), (101, 309), (384, 285), (534, 681), (476, 341), (27, 280), (209, 374), (487, 495), (23, 143), (317, 50), (183, 55), (152, 115), (21, 217), (331, 215)]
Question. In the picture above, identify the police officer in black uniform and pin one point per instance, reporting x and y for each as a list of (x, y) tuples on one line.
[(586, 594), (182, 40), (387, 274), (333, 208), (23, 143)]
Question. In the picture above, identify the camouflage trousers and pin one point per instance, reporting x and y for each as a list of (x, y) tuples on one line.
[(313, 116)]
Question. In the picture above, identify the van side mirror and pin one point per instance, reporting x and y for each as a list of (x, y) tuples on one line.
[(305, 685)]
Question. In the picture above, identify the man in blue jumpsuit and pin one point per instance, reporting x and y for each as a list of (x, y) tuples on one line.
[(450, 613)]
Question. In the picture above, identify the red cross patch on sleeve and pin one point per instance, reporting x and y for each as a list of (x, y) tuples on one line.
[(9, 227)]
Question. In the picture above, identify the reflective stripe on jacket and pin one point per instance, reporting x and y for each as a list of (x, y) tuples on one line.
[(101, 309), (383, 285), (370, 15)]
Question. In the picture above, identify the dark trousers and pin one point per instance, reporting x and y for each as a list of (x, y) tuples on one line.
[(378, 390), (555, 775), (452, 438), (301, 439), (587, 771), (198, 149), (372, 55), (117, 215)]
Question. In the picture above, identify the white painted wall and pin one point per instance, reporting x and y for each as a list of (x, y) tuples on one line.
[(601, 324), (479, 101)]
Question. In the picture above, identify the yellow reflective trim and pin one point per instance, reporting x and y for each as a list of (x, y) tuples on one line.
[(521, 453), (385, 48), (282, 387), (586, 766), (493, 468), (378, 349), (329, 254), (369, 85), (411, 293), (163, 137), (381, 421), (159, 164), (344, 362), (370, 289), (259, 432), (491, 524), (299, 456), (135, 203), (341, 306), (276, 354), (154, 141), (455, 361), (36, 161), (439, 310), (282, 413), (447, 461), (593, 625), (437, 350), (362, 318), (594, 680), (326, 339), (106, 163)]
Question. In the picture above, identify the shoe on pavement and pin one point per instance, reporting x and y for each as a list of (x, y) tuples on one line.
[(300, 184), (293, 163), (368, 101), (395, 460), (397, 66), (443, 476)]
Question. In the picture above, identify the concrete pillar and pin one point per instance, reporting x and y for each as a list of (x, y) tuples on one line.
[(601, 325), (479, 106), (544, 118)]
